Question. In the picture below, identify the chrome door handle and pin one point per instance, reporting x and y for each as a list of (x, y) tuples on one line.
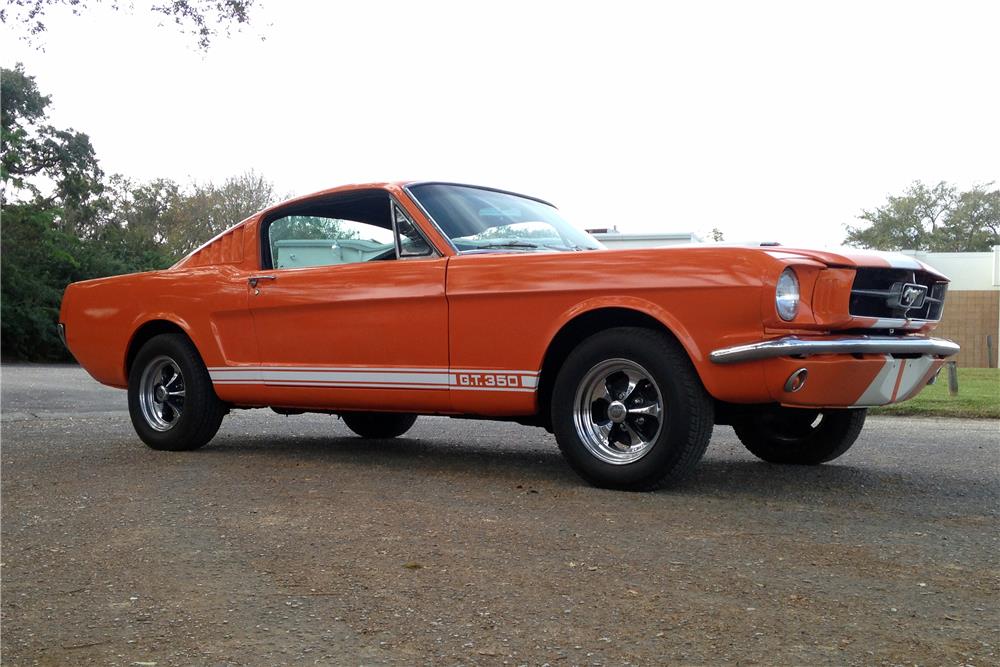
[(253, 280)]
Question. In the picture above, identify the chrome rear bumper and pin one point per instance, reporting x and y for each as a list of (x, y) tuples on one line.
[(792, 346)]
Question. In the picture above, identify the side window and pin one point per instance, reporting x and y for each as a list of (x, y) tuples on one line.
[(411, 242), (298, 241), (363, 226)]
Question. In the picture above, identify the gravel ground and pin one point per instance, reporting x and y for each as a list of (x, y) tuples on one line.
[(287, 541)]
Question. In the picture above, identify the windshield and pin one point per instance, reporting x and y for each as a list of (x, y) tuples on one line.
[(476, 219)]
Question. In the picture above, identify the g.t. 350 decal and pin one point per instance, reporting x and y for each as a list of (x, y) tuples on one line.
[(378, 377), (495, 380)]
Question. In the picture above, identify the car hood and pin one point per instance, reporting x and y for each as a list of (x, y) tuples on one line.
[(834, 258), (853, 257)]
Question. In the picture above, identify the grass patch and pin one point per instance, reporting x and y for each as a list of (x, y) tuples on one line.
[(978, 397)]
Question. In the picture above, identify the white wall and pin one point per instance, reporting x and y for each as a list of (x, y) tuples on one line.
[(967, 270)]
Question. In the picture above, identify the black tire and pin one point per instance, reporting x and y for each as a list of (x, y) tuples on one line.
[(669, 449), (379, 425), (201, 411), (793, 436)]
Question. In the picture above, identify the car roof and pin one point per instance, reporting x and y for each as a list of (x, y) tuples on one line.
[(382, 185)]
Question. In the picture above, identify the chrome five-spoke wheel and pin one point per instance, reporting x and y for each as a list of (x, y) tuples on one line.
[(171, 400), (161, 393), (629, 411), (618, 411)]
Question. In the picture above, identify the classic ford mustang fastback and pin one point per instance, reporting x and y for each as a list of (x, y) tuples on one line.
[(386, 301)]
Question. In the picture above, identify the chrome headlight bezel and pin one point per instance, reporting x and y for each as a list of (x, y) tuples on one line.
[(787, 295)]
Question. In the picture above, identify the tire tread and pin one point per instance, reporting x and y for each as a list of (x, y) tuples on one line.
[(204, 416), (701, 413), (827, 444)]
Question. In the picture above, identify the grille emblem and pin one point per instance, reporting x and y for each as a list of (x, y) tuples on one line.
[(905, 296)]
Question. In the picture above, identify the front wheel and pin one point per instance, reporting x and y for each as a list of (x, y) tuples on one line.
[(800, 436), (629, 411), (171, 400), (379, 425)]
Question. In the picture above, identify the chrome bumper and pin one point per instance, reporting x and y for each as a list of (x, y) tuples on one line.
[(792, 346)]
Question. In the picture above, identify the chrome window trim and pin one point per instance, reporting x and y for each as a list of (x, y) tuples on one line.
[(264, 231), (396, 206), (437, 227), (413, 198)]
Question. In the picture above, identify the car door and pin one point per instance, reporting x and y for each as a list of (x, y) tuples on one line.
[(350, 310)]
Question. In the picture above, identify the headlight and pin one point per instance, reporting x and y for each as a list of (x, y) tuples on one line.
[(786, 296)]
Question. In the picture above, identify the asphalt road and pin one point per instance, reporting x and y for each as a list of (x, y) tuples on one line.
[(287, 541)]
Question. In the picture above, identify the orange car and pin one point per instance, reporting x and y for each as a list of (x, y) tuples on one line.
[(386, 301)]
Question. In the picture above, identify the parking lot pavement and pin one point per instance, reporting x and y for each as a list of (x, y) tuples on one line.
[(287, 541)]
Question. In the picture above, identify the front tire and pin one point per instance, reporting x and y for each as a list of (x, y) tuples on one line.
[(629, 411), (171, 400), (379, 425), (800, 436)]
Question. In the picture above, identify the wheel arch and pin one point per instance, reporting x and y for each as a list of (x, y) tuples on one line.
[(585, 322), (145, 332)]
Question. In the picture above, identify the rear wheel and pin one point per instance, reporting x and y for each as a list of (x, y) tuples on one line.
[(629, 411), (171, 400), (379, 425), (800, 436)]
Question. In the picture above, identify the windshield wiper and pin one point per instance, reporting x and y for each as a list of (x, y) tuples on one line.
[(528, 245), (506, 244), (566, 247)]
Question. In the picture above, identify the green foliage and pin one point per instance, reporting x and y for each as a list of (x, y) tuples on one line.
[(39, 260), (62, 221), (978, 397), (309, 227), (180, 219), (35, 152), (937, 219), (201, 18)]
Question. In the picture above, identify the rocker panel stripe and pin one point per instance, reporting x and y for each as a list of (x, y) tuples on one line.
[(375, 377)]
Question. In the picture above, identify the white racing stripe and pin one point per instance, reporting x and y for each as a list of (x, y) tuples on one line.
[(896, 381), (466, 379), (368, 376), (890, 323), (902, 261)]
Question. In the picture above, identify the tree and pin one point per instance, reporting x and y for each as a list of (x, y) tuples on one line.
[(201, 18), (52, 201), (208, 209), (974, 223), (34, 153), (63, 221), (937, 219), (175, 220)]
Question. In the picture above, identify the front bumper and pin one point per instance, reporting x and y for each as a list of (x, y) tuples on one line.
[(842, 371), (792, 346)]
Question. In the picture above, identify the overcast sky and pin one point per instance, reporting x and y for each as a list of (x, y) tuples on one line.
[(770, 121)]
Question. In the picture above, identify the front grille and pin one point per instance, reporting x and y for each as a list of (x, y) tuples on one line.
[(886, 293)]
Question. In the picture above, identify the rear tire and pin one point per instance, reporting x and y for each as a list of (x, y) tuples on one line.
[(379, 425), (793, 436), (171, 400), (629, 411)]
